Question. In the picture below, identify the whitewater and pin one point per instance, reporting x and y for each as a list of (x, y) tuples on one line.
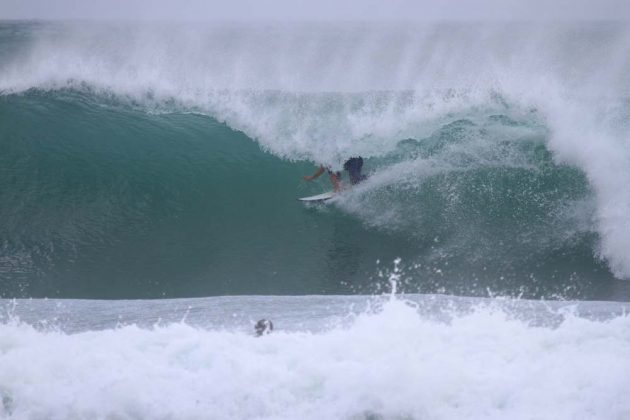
[(148, 218), (329, 357)]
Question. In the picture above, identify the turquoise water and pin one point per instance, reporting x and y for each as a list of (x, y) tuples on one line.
[(122, 178), (106, 201)]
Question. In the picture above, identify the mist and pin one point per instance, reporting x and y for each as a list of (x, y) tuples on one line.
[(324, 10)]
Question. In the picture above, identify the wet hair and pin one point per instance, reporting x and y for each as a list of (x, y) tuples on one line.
[(264, 326)]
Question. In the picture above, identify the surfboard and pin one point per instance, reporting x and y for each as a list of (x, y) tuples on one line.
[(318, 198)]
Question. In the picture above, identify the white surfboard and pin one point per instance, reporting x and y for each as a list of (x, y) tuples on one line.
[(320, 197)]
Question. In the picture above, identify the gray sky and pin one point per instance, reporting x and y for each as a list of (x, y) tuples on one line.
[(298, 10)]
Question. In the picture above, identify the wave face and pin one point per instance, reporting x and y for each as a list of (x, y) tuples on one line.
[(163, 161), (422, 357)]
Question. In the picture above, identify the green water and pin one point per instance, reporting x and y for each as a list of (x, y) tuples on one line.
[(101, 199), (150, 161)]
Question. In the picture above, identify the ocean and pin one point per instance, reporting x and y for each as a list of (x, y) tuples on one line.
[(149, 176)]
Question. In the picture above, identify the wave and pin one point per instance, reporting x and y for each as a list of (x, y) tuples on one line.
[(107, 200), (490, 148)]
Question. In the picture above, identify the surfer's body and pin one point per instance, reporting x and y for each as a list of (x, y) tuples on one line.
[(352, 165)]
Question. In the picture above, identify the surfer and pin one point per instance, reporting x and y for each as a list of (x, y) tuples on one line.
[(352, 165)]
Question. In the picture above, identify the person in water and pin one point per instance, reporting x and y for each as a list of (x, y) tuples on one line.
[(263, 327), (352, 165)]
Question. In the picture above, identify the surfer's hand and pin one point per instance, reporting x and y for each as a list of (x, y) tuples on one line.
[(307, 178)]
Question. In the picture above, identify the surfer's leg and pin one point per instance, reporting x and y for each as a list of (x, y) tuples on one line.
[(335, 180)]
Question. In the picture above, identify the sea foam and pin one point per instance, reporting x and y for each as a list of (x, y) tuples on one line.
[(479, 359)]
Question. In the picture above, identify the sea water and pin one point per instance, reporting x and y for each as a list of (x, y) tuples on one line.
[(148, 218)]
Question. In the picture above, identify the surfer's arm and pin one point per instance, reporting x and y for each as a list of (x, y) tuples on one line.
[(315, 175)]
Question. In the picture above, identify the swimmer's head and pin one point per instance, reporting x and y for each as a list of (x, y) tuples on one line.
[(264, 326)]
